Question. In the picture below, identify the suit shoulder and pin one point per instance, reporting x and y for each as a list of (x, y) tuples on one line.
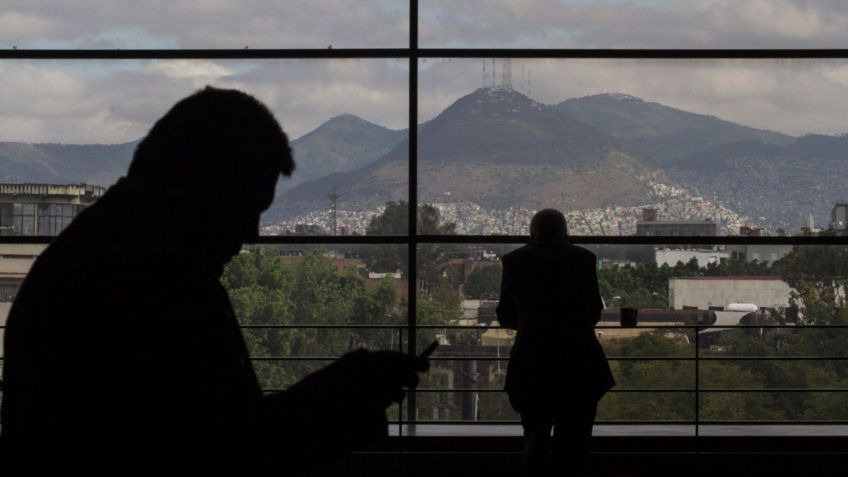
[(514, 255), (581, 253)]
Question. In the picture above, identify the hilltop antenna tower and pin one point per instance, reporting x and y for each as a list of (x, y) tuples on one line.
[(334, 210), (506, 74), (522, 76)]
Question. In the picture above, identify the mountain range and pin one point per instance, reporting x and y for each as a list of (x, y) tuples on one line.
[(498, 148)]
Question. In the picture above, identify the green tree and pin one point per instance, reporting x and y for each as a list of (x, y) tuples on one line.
[(266, 291), (258, 287), (484, 280), (394, 221), (819, 277)]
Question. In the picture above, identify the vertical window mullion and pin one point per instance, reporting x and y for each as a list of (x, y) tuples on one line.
[(412, 202)]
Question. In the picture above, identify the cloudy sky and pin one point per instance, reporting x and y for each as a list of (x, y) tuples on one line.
[(89, 101)]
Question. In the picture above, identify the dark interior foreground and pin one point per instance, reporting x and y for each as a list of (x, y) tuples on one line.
[(611, 456)]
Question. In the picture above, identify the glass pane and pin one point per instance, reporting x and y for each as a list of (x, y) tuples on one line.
[(630, 24), (645, 147), (73, 122), (717, 311), (750, 374), (468, 406), (775, 406), (127, 24), (275, 288), (646, 406), (653, 374)]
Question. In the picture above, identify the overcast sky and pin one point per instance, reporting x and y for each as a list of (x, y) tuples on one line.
[(109, 102)]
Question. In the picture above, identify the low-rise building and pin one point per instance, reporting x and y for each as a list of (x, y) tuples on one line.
[(704, 257), (43, 209), (717, 292)]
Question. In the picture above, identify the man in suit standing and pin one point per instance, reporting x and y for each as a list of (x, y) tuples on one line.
[(557, 370)]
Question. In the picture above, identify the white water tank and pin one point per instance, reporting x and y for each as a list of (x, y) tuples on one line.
[(749, 307)]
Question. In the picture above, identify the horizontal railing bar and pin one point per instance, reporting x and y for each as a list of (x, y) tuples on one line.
[(637, 423), (517, 422), (772, 390), (657, 327), (489, 390), (660, 327), (641, 240), (335, 53), (609, 358), (659, 390), (774, 358), (502, 239), (598, 327), (294, 358), (329, 327), (488, 327), (735, 327)]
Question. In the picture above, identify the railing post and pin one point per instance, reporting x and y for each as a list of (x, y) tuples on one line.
[(697, 388)]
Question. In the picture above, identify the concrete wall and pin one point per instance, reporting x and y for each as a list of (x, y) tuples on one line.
[(705, 292), (759, 252)]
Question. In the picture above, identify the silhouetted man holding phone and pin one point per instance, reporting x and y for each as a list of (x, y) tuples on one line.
[(557, 370), (122, 352)]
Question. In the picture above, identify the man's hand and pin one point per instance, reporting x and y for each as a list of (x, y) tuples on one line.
[(358, 387), (377, 379)]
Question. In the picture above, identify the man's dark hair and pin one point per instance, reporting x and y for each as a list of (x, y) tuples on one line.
[(215, 139), (548, 224)]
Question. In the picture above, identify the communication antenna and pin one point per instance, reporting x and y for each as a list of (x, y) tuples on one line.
[(506, 73), (522, 76), (334, 211)]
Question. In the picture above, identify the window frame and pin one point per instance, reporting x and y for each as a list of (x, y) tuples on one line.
[(414, 54)]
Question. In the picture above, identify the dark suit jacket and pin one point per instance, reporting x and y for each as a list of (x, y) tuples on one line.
[(549, 294), (123, 357)]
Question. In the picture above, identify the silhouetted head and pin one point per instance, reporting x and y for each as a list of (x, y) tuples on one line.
[(548, 224), (215, 158)]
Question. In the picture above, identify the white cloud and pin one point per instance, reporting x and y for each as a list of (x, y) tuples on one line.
[(102, 101), (18, 25), (206, 24), (62, 101), (635, 24), (197, 70)]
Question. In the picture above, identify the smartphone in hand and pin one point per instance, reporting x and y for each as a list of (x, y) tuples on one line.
[(429, 349)]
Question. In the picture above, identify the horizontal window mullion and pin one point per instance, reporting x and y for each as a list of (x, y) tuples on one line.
[(206, 53), (500, 239), (635, 53), (331, 53)]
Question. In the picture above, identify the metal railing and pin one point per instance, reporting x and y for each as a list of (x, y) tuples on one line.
[(696, 391)]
